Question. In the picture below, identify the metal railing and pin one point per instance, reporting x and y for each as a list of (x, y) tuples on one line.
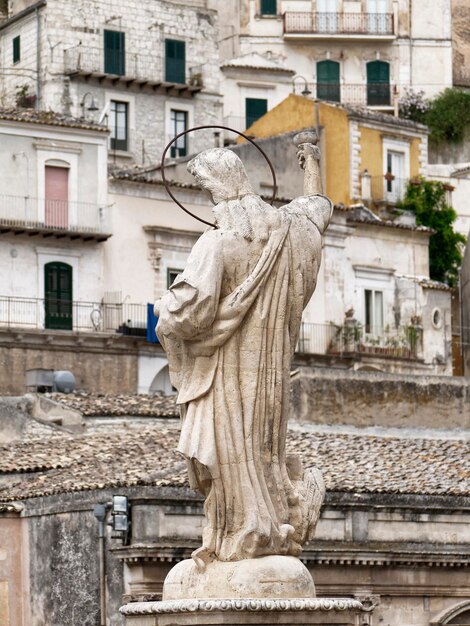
[(388, 188), (378, 94), (54, 314), (31, 213), (354, 339), (379, 24), (131, 319), (131, 65)]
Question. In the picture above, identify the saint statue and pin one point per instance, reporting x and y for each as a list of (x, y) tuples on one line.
[(229, 324)]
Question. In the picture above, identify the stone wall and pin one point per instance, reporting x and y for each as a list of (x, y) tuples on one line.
[(100, 363), (334, 396)]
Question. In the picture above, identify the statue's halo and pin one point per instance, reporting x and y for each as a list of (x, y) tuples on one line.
[(190, 130)]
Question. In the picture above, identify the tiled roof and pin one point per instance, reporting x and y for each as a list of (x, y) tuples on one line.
[(132, 454), (428, 283), (256, 61), (93, 404), (389, 224), (50, 118)]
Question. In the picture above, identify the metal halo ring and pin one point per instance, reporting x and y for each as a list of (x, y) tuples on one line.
[(190, 130)]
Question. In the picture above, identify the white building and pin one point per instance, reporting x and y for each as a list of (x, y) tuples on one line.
[(150, 68), (53, 218), (360, 52)]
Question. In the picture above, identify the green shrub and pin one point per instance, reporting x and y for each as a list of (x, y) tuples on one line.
[(427, 199)]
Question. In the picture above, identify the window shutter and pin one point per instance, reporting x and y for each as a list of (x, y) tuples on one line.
[(378, 83), (58, 296), (254, 109), (175, 61), (268, 7), (16, 49), (328, 81), (114, 52)]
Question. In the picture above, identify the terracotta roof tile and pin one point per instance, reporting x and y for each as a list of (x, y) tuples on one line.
[(127, 455), (49, 118)]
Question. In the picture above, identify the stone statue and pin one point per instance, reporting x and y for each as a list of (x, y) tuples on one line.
[(229, 325)]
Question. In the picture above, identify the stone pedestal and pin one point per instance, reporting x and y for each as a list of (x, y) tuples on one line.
[(267, 612)]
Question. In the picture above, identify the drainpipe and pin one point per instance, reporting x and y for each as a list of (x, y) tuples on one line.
[(38, 60), (100, 514)]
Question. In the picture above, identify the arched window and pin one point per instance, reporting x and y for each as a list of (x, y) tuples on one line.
[(378, 83), (328, 81), (58, 296)]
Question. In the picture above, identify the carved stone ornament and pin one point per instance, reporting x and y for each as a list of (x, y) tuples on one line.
[(246, 605)]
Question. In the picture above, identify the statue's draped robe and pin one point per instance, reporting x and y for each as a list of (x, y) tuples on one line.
[(229, 324)]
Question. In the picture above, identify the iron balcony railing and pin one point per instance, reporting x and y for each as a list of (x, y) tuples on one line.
[(373, 94), (129, 65), (365, 24), (55, 215), (353, 339), (132, 319), (60, 314), (388, 188)]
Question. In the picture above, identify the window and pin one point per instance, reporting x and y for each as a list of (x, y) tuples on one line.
[(118, 114), (268, 7), (58, 296), (175, 61), (179, 123), (114, 52), (171, 276), (327, 16), (328, 81), (254, 109), (378, 83), (395, 178), (374, 311), (377, 16), (16, 49), (57, 196)]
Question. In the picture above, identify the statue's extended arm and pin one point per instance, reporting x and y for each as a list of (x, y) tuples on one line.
[(308, 154)]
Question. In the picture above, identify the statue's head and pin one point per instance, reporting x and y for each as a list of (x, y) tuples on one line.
[(220, 172)]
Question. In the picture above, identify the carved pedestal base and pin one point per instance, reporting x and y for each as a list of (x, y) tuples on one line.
[(263, 577), (267, 612)]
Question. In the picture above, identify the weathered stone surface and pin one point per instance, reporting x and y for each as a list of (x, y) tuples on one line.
[(265, 577), (229, 325)]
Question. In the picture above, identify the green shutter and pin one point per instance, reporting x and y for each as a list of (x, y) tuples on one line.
[(175, 61), (378, 83), (328, 81), (58, 296), (16, 49), (114, 52), (254, 109), (268, 7)]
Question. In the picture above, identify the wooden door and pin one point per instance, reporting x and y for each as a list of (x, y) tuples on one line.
[(58, 296)]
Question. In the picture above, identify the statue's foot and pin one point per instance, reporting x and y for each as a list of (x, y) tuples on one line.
[(202, 557)]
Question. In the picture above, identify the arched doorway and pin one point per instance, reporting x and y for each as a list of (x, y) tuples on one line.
[(58, 296)]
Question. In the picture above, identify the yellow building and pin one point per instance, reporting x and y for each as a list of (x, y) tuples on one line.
[(366, 156)]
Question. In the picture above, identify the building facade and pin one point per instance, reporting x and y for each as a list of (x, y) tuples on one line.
[(365, 53), (148, 69)]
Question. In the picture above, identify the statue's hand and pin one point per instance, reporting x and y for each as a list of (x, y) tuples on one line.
[(156, 307)]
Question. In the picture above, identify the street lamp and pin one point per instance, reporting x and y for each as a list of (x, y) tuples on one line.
[(306, 91), (92, 106)]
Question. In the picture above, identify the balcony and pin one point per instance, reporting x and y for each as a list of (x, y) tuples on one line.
[(52, 218), (404, 342), (359, 26), (145, 72), (372, 95), (387, 189), (42, 314)]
